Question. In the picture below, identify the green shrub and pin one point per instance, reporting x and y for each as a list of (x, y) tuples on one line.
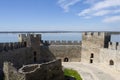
[(72, 73)]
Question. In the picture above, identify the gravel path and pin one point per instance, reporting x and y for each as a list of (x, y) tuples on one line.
[(92, 71)]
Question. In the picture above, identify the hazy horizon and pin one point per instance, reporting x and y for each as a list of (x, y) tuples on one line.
[(53, 36)]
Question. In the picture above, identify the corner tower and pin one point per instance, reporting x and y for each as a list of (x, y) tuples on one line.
[(92, 42), (33, 42)]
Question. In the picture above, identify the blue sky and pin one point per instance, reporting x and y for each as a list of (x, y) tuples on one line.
[(43, 15)]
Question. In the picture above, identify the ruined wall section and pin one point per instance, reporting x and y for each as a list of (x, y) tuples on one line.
[(47, 71), (91, 45), (11, 73)]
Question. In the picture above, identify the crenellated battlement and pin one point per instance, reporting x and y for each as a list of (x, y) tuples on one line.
[(25, 37), (93, 33), (114, 45), (63, 42), (33, 35), (11, 46)]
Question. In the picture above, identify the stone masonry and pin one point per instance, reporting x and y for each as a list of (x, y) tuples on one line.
[(29, 52), (46, 71), (31, 56)]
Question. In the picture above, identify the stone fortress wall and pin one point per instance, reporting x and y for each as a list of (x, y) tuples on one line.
[(111, 56), (70, 53), (70, 50), (95, 47)]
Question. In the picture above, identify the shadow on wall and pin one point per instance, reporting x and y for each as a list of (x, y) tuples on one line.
[(46, 43), (1, 75), (46, 54)]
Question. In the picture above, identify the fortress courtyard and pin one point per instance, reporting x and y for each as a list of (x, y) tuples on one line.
[(93, 71)]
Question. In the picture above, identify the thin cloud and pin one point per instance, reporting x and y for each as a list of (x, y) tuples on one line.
[(117, 11), (106, 12), (102, 8), (65, 4), (90, 1), (102, 13), (112, 19), (97, 8), (106, 4)]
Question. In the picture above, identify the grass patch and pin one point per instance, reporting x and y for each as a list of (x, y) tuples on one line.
[(72, 73)]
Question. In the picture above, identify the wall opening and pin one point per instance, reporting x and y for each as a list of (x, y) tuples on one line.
[(19, 35), (91, 61), (92, 55), (35, 58), (25, 44), (85, 33), (92, 33), (66, 59), (111, 62)]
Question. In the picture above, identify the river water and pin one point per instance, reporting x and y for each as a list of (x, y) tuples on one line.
[(13, 37)]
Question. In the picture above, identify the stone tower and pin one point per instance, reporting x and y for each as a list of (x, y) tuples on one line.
[(91, 44), (22, 37), (33, 42)]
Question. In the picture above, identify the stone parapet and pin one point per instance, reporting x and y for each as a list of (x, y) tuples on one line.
[(63, 42)]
